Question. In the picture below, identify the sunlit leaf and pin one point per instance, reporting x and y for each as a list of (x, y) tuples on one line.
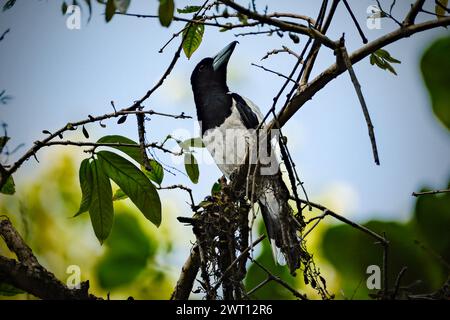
[(119, 195), (122, 5), (132, 152), (192, 143), (165, 12), (435, 66), (101, 210), (85, 177), (157, 172), (193, 35), (133, 183), (9, 187), (383, 60), (191, 166)]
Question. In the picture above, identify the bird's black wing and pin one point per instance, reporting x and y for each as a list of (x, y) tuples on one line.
[(249, 118)]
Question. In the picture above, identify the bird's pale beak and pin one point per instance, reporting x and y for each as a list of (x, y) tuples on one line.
[(221, 59)]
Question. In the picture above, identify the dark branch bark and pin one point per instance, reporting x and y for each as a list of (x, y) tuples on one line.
[(187, 277), (28, 275)]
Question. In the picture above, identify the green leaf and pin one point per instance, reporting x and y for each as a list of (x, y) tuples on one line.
[(435, 66), (101, 209), (119, 195), (132, 152), (133, 183), (216, 188), (110, 10), (192, 143), (383, 60), (9, 187), (165, 12), (191, 166), (8, 5), (157, 173), (386, 56), (440, 11), (189, 9), (192, 35), (122, 5), (3, 141), (9, 290), (85, 177)]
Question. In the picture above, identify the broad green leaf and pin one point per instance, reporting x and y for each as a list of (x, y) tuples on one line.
[(216, 188), (132, 152), (3, 141), (8, 5), (435, 67), (128, 252), (9, 187), (9, 290), (85, 177), (192, 143), (122, 5), (192, 36), (440, 11), (133, 183), (157, 173), (101, 209), (191, 166), (119, 195), (189, 9), (110, 10), (165, 12)]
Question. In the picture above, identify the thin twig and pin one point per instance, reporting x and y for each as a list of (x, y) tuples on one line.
[(272, 71), (362, 101), (280, 281), (361, 33), (398, 281), (417, 194)]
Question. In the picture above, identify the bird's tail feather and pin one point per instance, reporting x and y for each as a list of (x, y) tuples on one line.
[(277, 216)]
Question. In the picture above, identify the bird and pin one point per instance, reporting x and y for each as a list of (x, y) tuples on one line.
[(229, 123)]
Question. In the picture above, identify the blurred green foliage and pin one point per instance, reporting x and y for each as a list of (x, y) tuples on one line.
[(133, 261), (435, 66), (422, 244)]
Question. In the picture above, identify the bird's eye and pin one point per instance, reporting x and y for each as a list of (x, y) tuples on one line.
[(201, 68)]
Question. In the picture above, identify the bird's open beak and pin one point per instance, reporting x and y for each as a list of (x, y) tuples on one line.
[(221, 59)]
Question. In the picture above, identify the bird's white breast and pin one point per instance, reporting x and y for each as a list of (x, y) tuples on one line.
[(229, 143)]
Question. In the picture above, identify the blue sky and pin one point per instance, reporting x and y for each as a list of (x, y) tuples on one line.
[(58, 75)]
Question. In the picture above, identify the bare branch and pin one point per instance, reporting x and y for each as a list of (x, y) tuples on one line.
[(358, 90), (28, 275), (417, 194), (187, 277), (307, 92), (412, 14)]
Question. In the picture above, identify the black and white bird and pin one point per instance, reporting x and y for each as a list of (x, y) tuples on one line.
[(228, 122)]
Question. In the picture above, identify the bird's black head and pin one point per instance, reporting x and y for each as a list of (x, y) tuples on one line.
[(209, 84), (212, 72)]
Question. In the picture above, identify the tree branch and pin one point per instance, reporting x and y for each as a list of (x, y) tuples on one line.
[(307, 92), (28, 275)]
